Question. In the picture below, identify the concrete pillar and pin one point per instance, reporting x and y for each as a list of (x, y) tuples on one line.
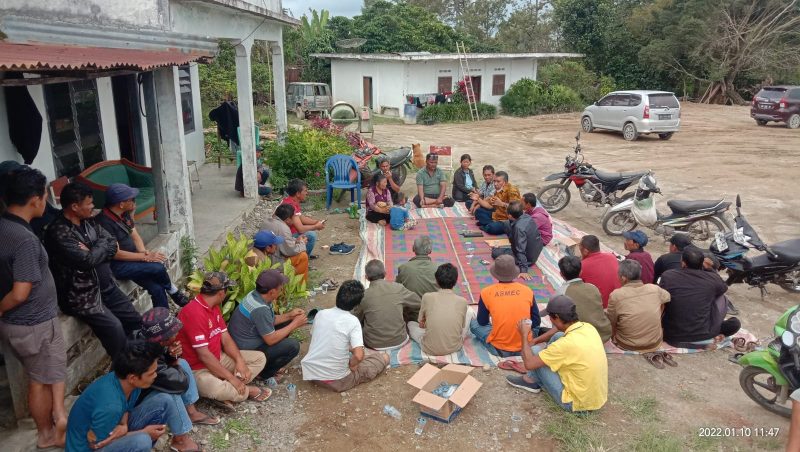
[(154, 143), (279, 82), (244, 93), (535, 68), (173, 148)]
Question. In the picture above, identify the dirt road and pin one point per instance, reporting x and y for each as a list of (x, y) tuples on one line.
[(718, 153)]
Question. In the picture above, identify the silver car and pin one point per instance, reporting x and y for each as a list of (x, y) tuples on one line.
[(305, 97), (634, 113)]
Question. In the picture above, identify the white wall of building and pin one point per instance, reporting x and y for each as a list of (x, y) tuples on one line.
[(146, 13), (393, 80)]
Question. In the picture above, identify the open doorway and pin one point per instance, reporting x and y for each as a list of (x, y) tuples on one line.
[(368, 92), (129, 125)]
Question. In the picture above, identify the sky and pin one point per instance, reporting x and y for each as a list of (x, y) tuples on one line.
[(347, 8)]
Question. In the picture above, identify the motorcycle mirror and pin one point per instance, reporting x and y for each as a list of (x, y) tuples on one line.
[(578, 136), (738, 201)]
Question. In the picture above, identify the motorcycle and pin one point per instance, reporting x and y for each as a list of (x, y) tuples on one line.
[(399, 161), (779, 263), (596, 187), (701, 219), (770, 375)]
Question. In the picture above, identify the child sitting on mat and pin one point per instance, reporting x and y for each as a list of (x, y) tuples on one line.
[(399, 217)]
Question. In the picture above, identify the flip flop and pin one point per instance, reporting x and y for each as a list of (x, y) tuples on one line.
[(667, 359), (260, 397), (207, 420), (655, 359), (332, 283), (739, 344), (173, 449), (512, 365)]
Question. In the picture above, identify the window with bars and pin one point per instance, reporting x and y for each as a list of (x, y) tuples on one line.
[(187, 105), (498, 84), (73, 114)]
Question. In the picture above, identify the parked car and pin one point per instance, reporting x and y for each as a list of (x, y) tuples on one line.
[(777, 103), (634, 113), (305, 98)]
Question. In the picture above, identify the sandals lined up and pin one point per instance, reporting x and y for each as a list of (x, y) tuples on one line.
[(659, 359)]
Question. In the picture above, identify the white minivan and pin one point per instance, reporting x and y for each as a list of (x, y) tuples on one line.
[(634, 113)]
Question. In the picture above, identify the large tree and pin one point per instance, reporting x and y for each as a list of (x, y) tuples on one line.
[(529, 28)]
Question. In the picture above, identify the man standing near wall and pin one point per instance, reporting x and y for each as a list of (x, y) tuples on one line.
[(29, 325)]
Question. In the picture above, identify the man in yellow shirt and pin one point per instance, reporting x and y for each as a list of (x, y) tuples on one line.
[(573, 367)]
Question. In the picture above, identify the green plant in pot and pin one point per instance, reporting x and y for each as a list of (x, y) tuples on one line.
[(230, 258)]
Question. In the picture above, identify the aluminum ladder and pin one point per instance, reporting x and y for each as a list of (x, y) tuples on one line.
[(463, 61)]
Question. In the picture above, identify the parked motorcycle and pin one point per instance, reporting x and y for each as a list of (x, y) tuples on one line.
[(779, 263), (701, 219), (770, 375), (596, 187), (399, 161)]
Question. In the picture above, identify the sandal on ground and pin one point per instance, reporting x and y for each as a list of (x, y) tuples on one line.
[(668, 360), (751, 346), (739, 344), (174, 449), (332, 283), (734, 357), (207, 420), (262, 396), (655, 359), (515, 366)]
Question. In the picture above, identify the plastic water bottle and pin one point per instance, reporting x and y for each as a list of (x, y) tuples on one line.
[(291, 389), (391, 411), (272, 382)]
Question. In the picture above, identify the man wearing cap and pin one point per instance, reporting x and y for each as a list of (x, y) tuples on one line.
[(133, 261), (635, 242), (80, 252), (572, 367), (506, 302), (598, 268), (293, 248), (173, 374), (255, 326), (265, 245), (432, 185), (492, 211), (221, 370)]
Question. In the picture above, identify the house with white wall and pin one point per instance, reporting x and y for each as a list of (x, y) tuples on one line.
[(101, 80), (387, 81)]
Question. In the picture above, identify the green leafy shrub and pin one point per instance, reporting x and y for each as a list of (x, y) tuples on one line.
[(230, 258), (216, 149), (303, 155), (454, 112), (574, 75), (527, 97)]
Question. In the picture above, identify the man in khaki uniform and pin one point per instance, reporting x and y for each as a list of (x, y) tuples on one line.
[(417, 274), (635, 310)]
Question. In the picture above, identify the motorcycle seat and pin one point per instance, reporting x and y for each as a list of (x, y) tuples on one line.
[(786, 251), (398, 156), (681, 206), (612, 176)]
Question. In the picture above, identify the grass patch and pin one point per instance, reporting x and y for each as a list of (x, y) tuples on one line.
[(709, 443), (382, 119), (574, 432), (642, 409), (688, 395), (651, 440), (317, 201), (220, 440)]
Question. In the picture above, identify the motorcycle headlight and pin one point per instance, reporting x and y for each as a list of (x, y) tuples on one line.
[(794, 323), (787, 338)]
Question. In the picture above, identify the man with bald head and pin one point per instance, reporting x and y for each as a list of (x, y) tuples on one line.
[(418, 273)]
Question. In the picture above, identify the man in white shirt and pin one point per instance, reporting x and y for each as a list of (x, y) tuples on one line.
[(336, 358)]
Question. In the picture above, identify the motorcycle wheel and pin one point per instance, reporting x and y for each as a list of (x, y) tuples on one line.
[(760, 386), (703, 230), (400, 174), (554, 197), (791, 281), (615, 223)]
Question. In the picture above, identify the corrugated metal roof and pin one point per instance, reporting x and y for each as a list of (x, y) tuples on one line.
[(425, 56), (30, 57)]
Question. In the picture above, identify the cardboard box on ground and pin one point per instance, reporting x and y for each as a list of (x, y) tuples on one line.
[(429, 377)]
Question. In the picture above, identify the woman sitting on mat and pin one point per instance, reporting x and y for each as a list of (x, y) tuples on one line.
[(379, 200)]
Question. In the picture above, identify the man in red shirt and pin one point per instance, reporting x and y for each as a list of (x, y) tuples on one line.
[(221, 370), (598, 268), (635, 242), (301, 225)]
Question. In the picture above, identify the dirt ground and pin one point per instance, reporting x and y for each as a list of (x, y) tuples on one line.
[(718, 153)]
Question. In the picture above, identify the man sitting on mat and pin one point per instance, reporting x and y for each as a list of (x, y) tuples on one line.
[(417, 275), (526, 243), (336, 358), (572, 367), (506, 302), (444, 317), (432, 185), (384, 309), (492, 211), (694, 315), (221, 370)]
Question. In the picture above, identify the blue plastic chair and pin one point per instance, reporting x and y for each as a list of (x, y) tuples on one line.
[(341, 166)]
